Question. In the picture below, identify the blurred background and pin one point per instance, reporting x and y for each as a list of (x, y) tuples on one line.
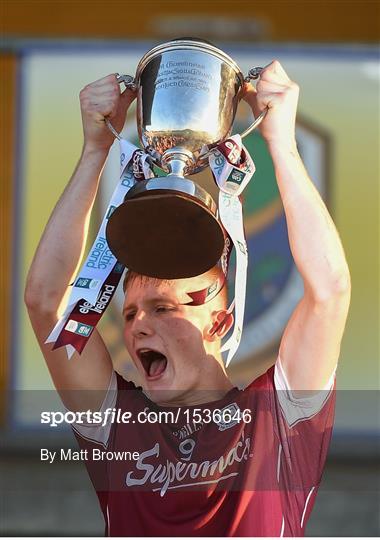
[(49, 51)]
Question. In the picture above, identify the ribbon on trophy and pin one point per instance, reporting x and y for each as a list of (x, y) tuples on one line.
[(96, 283), (97, 280), (232, 168)]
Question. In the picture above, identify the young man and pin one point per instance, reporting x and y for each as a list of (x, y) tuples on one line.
[(227, 462)]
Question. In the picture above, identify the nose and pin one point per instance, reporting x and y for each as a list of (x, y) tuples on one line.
[(141, 325)]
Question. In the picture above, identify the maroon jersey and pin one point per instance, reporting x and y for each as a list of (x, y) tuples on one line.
[(251, 469)]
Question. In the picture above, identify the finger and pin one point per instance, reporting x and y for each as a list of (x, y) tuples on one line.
[(129, 95), (104, 94), (105, 80), (103, 90), (275, 72), (270, 100), (101, 110), (250, 96), (248, 90), (268, 86), (93, 91), (99, 102)]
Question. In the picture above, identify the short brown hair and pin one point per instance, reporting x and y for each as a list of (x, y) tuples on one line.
[(131, 276), (213, 274)]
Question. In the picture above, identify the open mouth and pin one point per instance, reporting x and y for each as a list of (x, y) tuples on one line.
[(153, 362)]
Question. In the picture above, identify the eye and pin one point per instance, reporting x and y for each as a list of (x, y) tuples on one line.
[(163, 309), (129, 316)]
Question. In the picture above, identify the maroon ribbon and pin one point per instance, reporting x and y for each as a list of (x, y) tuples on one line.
[(84, 317), (232, 152)]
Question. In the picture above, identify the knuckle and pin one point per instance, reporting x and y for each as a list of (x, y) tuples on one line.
[(111, 79), (112, 88), (107, 108), (107, 94)]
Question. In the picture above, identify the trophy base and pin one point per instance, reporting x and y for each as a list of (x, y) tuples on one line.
[(165, 233)]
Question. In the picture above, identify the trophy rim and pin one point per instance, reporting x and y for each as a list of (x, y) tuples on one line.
[(185, 44), (174, 184)]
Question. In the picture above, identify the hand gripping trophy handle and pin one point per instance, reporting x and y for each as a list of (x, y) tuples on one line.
[(253, 74), (129, 82)]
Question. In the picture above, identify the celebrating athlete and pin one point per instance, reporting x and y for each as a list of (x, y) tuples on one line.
[(253, 467)]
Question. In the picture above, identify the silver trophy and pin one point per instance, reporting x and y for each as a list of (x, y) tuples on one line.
[(188, 93)]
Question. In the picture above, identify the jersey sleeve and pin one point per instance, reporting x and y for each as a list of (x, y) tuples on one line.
[(96, 432), (304, 429), (96, 439), (296, 409)]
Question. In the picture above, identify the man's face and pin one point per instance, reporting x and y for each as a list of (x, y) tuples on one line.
[(167, 340)]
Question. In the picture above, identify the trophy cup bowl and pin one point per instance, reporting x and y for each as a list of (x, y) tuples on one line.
[(187, 95)]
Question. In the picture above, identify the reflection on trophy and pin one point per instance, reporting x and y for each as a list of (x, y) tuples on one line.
[(188, 92)]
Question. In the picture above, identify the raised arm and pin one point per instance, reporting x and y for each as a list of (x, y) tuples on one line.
[(310, 345), (62, 244)]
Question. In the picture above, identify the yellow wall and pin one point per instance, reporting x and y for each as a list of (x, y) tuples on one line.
[(283, 21), (340, 97)]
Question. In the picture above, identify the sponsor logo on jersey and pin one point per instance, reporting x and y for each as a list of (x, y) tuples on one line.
[(229, 411), (175, 474)]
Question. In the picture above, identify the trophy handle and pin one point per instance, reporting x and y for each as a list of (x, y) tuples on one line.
[(254, 73), (129, 83)]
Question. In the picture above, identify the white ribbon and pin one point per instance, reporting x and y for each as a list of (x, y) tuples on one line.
[(231, 215), (100, 261), (231, 180)]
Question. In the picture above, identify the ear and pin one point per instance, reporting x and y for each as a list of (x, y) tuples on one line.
[(220, 325)]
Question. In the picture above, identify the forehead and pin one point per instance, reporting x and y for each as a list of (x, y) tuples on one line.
[(144, 289)]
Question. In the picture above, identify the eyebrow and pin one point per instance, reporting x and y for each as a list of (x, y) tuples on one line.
[(150, 301)]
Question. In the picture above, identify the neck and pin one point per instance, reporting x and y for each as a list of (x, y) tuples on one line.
[(213, 385), (198, 397)]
